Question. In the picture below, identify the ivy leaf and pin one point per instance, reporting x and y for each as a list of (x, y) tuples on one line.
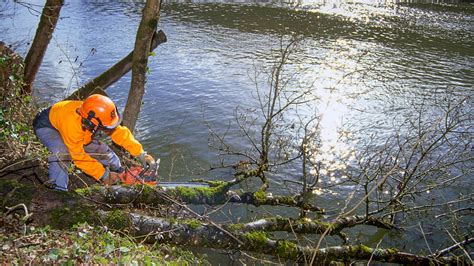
[(109, 249), (54, 254), (124, 249)]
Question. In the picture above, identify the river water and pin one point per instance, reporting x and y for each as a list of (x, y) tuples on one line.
[(368, 62)]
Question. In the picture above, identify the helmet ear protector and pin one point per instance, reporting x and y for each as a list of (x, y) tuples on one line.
[(93, 127), (89, 125)]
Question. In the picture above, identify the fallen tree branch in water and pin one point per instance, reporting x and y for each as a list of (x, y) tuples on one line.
[(218, 193), (194, 233), (459, 245), (351, 221), (311, 226), (64, 210)]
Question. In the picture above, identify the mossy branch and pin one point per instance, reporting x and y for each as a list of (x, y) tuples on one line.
[(63, 210), (218, 193), (309, 226), (261, 197), (194, 233), (299, 226), (351, 221)]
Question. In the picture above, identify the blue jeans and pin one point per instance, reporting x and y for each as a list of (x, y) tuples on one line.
[(59, 161)]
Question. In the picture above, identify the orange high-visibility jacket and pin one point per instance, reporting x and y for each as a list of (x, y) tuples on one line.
[(68, 122)]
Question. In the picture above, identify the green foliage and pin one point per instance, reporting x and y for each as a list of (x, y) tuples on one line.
[(12, 129), (90, 245), (16, 113)]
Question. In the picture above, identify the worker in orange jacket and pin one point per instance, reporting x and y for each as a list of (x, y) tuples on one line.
[(68, 128)]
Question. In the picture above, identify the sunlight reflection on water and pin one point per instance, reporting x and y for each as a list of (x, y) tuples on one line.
[(369, 63), (365, 58)]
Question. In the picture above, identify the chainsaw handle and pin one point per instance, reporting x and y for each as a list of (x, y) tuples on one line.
[(142, 172), (155, 167)]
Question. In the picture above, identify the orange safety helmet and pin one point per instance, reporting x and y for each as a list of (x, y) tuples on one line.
[(99, 111)]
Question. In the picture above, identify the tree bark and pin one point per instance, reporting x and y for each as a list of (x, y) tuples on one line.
[(148, 24), (44, 33), (63, 210), (114, 73), (193, 233), (311, 226), (214, 195)]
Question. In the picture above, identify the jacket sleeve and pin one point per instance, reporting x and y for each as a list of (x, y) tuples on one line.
[(124, 138), (80, 158)]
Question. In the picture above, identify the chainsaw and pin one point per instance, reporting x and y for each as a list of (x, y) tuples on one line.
[(148, 175)]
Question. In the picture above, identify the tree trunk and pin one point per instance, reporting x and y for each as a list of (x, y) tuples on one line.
[(193, 233), (216, 194), (63, 210), (43, 35), (114, 73), (148, 24)]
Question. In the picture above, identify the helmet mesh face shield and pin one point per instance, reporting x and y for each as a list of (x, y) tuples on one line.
[(100, 111)]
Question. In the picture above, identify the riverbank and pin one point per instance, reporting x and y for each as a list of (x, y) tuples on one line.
[(392, 86), (27, 242), (17, 139)]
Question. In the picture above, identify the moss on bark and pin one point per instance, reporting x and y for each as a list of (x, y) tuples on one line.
[(67, 217), (117, 219), (207, 195), (13, 193), (286, 249), (256, 240)]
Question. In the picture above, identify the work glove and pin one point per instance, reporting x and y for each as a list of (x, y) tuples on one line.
[(110, 178), (147, 159)]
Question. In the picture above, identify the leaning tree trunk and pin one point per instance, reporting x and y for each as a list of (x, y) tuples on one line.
[(148, 24), (114, 73), (43, 35)]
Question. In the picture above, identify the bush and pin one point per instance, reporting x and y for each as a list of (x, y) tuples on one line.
[(17, 112)]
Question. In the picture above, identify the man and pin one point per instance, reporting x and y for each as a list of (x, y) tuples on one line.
[(67, 129)]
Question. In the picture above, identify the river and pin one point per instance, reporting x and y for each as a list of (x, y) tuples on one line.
[(396, 51)]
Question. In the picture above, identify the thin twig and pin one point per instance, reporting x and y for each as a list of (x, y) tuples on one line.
[(453, 247)]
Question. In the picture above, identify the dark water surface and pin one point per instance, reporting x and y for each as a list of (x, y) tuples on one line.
[(401, 52)]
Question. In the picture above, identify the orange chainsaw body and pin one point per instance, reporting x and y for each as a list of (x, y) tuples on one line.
[(136, 175)]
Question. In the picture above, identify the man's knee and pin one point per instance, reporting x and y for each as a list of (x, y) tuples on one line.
[(52, 140), (97, 149)]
